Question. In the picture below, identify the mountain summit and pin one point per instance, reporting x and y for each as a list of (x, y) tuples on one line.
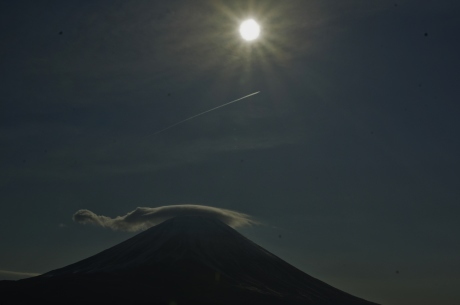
[(184, 260)]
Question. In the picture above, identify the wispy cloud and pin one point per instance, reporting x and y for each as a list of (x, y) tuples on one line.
[(143, 217), (13, 275)]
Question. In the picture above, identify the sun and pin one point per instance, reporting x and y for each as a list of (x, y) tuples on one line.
[(249, 30)]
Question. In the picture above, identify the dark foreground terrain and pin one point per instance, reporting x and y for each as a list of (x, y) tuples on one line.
[(185, 260)]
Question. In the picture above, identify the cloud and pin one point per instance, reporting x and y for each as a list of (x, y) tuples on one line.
[(142, 218), (12, 275)]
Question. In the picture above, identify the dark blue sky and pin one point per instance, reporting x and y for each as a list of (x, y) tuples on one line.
[(350, 151)]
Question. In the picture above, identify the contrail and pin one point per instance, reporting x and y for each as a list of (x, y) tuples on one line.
[(197, 115)]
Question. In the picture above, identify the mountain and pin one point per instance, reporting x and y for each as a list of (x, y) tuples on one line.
[(184, 260)]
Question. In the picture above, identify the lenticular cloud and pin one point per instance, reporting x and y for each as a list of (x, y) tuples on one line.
[(143, 218)]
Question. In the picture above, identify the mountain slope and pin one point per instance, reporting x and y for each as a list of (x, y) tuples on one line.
[(186, 260)]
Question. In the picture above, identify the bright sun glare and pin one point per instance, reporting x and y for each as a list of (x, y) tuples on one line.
[(249, 30)]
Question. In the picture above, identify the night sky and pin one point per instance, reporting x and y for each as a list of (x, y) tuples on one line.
[(349, 155)]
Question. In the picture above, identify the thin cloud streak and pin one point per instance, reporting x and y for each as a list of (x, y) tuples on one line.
[(13, 275)]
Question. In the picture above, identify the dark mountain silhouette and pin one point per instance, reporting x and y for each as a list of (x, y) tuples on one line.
[(184, 260)]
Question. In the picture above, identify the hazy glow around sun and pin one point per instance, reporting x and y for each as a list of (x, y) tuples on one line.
[(249, 29)]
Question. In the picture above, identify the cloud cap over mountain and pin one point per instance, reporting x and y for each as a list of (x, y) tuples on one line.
[(144, 217)]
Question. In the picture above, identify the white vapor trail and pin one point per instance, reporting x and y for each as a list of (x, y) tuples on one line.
[(197, 115)]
